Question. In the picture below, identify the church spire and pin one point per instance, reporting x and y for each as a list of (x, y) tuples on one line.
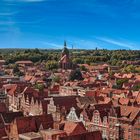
[(65, 44)]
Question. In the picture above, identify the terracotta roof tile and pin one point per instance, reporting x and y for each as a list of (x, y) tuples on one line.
[(27, 77), (129, 112), (65, 101), (3, 108), (124, 101), (95, 135), (33, 123), (10, 88), (10, 116), (73, 128), (24, 62), (2, 128)]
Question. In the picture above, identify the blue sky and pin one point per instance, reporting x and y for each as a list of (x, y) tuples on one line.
[(85, 24)]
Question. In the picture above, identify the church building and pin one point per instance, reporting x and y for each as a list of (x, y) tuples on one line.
[(65, 61)]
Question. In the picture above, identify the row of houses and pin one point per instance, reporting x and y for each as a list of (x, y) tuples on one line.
[(36, 106)]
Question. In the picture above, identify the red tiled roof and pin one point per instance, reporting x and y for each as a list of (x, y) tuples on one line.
[(32, 93), (26, 124), (2, 61), (45, 120), (124, 101), (24, 62), (3, 108), (137, 96), (95, 135), (55, 89), (8, 117), (129, 112), (74, 128), (2, 128), (33, 79), (65, 101), (105, 100), (64, 59), (27, 77), (10, 88), (120, 75), (33, 123)]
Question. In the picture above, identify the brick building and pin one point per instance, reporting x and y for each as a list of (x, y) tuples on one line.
[(65, 61)]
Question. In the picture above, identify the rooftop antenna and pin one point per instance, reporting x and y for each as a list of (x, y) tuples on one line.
[(72, 47)]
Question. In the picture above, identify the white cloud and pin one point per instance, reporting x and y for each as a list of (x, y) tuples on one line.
[(51, 45), (12, 22), (32, 0), (83, 43), (24, 0), (118, 43), (7, 22), (8, 13), (86, 44)]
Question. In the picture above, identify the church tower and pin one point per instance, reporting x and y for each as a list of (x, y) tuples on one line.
[(65, 61), (65, 51)]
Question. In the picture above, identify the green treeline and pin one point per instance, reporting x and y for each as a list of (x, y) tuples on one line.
[(113, 57)]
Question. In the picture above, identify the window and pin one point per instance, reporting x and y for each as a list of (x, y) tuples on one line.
[(129, 137), (110, 134), (105, 121), (104, 133), (96, 128), (129, 130), (96, 119)]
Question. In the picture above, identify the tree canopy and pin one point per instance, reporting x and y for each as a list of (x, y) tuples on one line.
[(113, 57)]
